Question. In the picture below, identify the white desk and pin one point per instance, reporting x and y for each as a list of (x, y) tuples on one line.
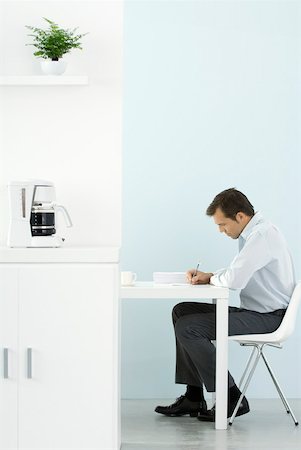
[(149, 290)]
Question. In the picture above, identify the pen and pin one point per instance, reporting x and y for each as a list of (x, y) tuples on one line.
[(196, 270)]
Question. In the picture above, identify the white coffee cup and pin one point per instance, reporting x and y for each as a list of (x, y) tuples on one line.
[(128, 278)]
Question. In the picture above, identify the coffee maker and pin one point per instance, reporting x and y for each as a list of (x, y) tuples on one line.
[(33, 211)]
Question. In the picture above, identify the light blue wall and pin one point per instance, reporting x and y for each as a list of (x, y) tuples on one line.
[(211, 102)]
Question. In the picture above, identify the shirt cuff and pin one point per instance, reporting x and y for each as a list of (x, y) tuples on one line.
[(215, 279)]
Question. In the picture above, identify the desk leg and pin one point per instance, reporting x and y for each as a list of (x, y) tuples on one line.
[(221, 376)]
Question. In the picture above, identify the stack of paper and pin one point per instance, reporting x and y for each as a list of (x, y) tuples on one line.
[(169, 277)]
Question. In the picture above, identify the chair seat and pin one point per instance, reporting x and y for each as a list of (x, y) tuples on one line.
[(284, 330), (267, 338)]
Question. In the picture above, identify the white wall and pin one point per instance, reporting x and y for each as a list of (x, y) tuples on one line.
[(70, 135), (211, 101)]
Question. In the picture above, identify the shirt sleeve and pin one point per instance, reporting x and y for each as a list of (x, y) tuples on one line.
[(254, 255)]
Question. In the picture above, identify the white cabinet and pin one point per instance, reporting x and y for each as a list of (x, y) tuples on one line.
[(60, 325), (8, 358)]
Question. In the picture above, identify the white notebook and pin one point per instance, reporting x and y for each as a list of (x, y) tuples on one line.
[(169, 278)]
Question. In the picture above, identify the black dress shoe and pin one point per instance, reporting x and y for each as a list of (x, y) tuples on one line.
[(209, 416), (183, 406)]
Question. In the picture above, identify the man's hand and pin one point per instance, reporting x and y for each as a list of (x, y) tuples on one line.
[(199, 278)]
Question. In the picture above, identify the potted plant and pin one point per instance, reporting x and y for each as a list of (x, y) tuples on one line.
[(52, 44)]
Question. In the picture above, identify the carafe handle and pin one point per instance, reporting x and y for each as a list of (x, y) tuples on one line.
[(65, 214)]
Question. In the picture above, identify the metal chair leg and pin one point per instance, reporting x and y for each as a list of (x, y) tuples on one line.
[(246, 383), (281, 395), (247, 366), (280, 392)]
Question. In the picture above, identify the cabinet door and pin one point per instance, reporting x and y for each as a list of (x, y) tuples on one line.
[(8, 357), (68, 357)]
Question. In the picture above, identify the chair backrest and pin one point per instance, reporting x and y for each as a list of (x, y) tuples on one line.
[(287, 325)]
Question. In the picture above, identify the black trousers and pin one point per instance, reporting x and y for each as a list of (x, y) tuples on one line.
[(194, 325)]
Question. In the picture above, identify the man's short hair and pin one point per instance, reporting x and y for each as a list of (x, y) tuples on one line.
[(231, 202)]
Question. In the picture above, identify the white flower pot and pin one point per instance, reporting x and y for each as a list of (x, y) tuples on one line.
[(50, 67)]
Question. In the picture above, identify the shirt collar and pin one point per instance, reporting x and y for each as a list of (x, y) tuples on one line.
[(257, 218)]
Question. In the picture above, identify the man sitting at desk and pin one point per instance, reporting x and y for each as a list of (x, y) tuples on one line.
[(264, 272)]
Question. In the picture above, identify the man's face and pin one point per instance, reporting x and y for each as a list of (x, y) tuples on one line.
[(230, 227)]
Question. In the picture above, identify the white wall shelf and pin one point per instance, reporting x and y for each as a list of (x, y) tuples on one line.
[(44, 80)]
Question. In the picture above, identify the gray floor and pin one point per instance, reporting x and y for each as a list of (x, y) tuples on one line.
[(266, 427)]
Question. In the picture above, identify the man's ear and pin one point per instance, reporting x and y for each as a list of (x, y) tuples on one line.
[(240, 216)]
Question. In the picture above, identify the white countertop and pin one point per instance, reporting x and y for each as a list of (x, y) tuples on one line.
[(60, 255)]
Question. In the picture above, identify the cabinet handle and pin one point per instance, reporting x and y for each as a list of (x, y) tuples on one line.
[(5, 363), (23, 193), (29, 363)]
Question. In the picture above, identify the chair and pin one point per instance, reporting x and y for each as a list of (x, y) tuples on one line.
[(274, 339)]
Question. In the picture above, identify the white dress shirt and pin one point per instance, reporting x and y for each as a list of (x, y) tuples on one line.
[(263, 268)]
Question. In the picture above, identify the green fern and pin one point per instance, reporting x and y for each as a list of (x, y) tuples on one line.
[(54, 42)]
